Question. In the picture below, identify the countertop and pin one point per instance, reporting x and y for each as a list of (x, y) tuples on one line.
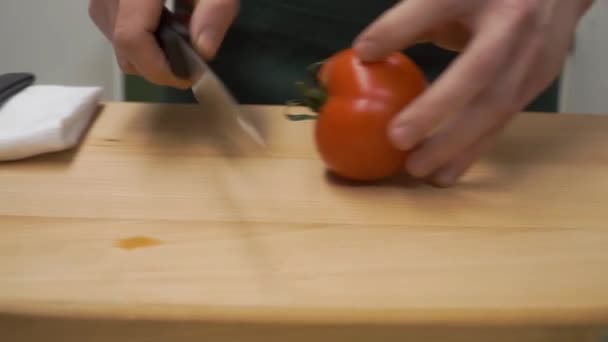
[(156, 217)]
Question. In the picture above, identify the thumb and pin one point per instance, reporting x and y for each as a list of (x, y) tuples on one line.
[(210, 21)]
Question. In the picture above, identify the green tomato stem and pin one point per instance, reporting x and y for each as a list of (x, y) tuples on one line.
[(313, 96)]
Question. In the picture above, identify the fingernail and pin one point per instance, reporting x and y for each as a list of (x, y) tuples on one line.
[(417, 167), (207, 43), (403, 137), (366, 49), (446, 177)]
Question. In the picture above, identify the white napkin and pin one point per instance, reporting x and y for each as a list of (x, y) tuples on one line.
[(45, 118)]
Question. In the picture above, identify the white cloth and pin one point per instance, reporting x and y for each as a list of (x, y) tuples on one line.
[(45, 118)]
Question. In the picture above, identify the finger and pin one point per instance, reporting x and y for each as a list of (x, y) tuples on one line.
[(586, 6), (125, 65), (454, 138), (103, 15), (402, 26), (491, 109), (554, 53), (451, 173), (475, 70), (453, 36), (210, 22), (136, 22)]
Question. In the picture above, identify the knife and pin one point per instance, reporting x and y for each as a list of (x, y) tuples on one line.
[(13, 83), (174, 39)]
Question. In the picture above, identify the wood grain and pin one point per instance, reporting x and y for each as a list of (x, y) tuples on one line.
[(264, 237)]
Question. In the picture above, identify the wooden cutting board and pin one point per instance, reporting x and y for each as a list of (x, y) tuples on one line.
[(156, 229)]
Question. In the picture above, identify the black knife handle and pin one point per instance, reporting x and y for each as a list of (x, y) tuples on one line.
[(170, 34), (13, 83)]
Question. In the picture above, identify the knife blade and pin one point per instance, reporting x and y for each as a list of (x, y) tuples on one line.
[(208, 89), (13, 83)]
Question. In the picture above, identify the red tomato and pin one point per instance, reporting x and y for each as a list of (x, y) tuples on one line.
[(360, 101)]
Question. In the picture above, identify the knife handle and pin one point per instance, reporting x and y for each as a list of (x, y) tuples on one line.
[(13, 83), (170, 35)]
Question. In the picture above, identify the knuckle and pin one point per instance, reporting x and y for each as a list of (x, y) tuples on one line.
[(232, 6), (94, 11), (225, 7), (502, 101), (451, 6), (125, 66), (227, 4), (446, 5), (523, 13), (125, 38), (506, 104), (92, 8), (485, 64), (536, 47)]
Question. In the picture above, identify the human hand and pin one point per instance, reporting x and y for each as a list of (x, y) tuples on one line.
[(130, 26), (511, 51)]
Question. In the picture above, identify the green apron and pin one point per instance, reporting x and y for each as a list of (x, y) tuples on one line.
[(272, 42)]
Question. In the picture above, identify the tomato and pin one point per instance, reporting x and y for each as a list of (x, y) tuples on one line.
[(360, 100)]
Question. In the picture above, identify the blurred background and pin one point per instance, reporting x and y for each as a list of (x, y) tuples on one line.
[(57, 41)]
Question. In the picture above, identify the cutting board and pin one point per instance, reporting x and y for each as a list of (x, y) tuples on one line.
[(158, 228)]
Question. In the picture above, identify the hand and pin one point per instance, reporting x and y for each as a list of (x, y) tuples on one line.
[(511, 51), (130, 25)]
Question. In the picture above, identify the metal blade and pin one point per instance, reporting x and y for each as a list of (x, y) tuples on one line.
[(210, 91)]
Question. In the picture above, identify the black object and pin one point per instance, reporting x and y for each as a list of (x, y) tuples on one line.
[(170, 34), (13, 83)]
